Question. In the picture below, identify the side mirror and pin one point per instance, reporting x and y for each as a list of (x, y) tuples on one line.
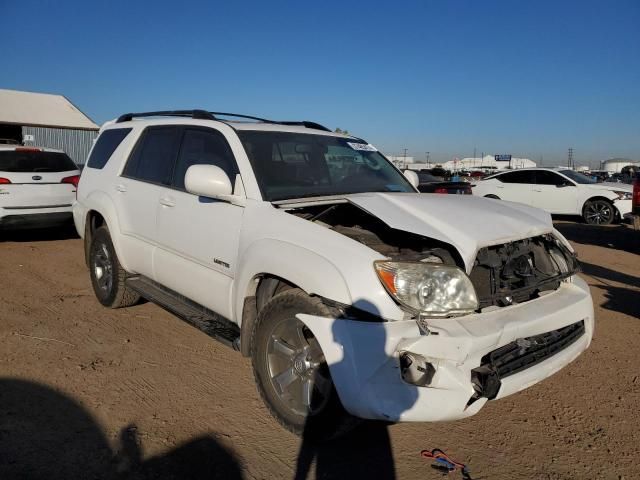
[(207, 181), (412, 177)]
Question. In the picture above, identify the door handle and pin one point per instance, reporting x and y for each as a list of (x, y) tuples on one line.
[(167, 201), (120, 188)]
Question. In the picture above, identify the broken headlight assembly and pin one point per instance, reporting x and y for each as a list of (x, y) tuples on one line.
[(428, 289)]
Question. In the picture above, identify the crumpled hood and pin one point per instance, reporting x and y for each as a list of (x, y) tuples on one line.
[(464, 221)]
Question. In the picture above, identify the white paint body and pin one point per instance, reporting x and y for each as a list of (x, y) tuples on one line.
[(176, 244), (35, 195), (567, 200)]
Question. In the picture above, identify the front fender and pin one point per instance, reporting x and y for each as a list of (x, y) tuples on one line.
[(300, 266)]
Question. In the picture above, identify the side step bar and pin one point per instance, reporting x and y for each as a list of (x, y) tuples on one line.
[(209, 322)]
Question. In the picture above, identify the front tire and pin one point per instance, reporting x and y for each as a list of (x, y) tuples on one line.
[(598, 212), (291, 372), (107, 275)]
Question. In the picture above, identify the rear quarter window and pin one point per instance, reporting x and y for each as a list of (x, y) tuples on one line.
[(106, 144)]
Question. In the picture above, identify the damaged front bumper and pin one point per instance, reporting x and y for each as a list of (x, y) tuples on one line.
[(464, 361)]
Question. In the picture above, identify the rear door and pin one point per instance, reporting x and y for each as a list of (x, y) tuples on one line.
[(138, 189), (31, 178), (516, 186), (554, 193)]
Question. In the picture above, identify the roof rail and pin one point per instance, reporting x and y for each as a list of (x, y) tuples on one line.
[(197, 114), (306, 124), (204, 115)]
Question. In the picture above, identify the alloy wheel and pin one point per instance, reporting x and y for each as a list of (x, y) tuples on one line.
[(297, 368)]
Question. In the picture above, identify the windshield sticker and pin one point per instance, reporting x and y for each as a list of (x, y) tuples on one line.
[(364, 147)]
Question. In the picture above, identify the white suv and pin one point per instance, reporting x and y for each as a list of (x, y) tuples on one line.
[(37, 186), (307, 250)]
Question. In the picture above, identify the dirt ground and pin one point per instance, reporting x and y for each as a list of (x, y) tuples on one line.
[(87, 392)]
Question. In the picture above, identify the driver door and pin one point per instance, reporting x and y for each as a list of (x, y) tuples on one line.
[(554, 193), (198, 237)]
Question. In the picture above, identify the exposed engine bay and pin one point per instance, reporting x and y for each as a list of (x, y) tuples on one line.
[(502, 275), (359, 225)]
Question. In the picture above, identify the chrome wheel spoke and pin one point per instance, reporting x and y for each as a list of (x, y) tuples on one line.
[(285, 378), (282, 347), (307, 393)]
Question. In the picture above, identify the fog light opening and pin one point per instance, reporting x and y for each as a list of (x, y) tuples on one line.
[(415, 369)]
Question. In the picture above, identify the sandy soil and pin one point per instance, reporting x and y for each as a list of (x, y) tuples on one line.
[(87, 392)]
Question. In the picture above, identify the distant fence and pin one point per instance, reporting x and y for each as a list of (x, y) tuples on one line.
[(75, 143)]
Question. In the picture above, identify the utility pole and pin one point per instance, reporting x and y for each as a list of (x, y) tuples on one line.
[(405, 158), (570, 159), (427, 159), (474, 156)]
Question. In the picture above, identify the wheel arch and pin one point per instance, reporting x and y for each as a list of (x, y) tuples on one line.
[(616, 212), (270, 266), (100, 211)]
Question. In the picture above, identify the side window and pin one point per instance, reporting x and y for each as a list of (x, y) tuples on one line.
[(153, 157), (524, 176), (208, 147), (106, 144), (544, 177)]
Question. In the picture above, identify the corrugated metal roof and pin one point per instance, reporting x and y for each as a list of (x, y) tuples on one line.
[(42, 110)]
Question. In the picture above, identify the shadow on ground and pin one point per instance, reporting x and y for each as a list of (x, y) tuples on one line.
[(44, 434), (617, 237), (624, 299), (66, 232), (364, 453)]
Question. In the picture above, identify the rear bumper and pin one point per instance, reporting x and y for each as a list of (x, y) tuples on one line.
[(34, 217), (364, 357)]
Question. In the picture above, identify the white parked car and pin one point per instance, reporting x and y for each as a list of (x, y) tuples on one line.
[(354, 295), (560, 191), (37, 186)]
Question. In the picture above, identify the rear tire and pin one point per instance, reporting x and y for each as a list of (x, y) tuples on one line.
[(290, 370), (598, 212), (107, 276)]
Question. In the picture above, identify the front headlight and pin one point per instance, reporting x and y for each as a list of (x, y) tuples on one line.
[(430, 289), (623, 195)]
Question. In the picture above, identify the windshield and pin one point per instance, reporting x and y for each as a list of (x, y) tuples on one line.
[(296, 165), (577, 177), (32, 161)]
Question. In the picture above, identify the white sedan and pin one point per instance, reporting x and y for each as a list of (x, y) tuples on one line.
[(37, 186), (558, 191)]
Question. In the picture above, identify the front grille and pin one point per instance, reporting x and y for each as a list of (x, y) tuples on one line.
[(519, 271), (520, 355)]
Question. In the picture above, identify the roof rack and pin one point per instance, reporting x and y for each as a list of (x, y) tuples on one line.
[(204, 115), (197, 114)]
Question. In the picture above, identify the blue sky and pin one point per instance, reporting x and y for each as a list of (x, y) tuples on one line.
[(527, 78)]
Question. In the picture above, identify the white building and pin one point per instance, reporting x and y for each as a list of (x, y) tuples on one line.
[(488, 162), (615, 165)]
